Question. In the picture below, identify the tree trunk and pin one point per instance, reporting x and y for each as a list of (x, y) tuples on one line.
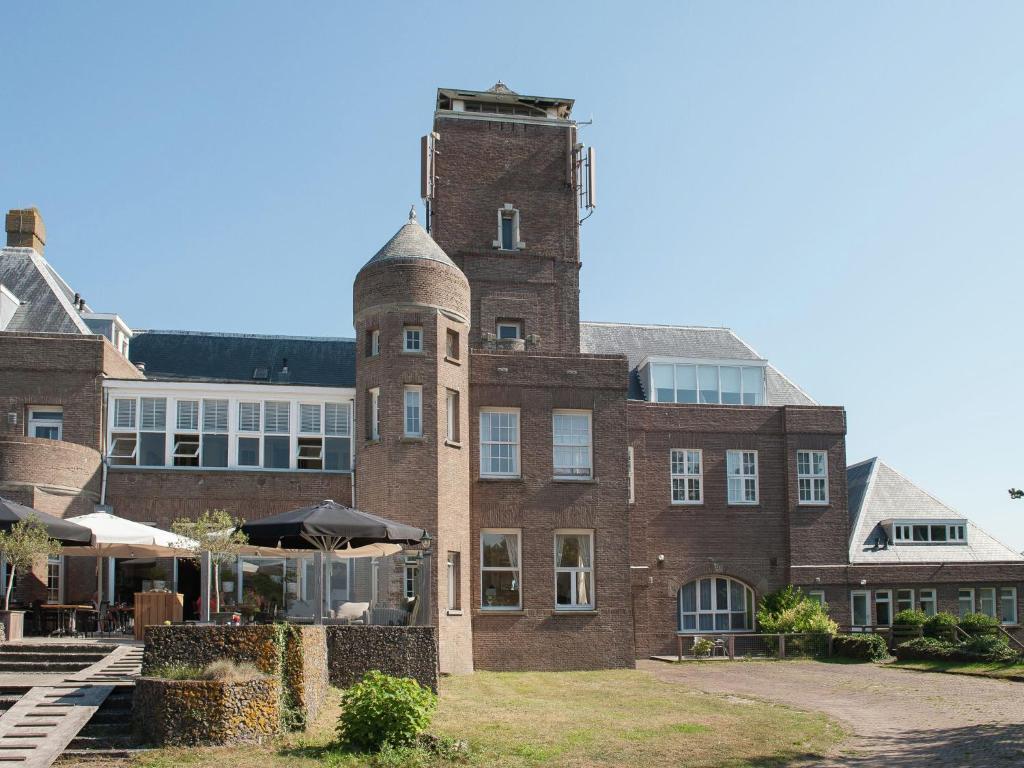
[(10, 586)]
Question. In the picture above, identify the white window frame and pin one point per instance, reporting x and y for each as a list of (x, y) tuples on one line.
[(484, 468), (34, 421), (959, 598), (903, 532), (887, 600), (686, 478), (508, 212), (749, 607), (374, 413), (410, 572), (575, 571), (759, 396), (900, 601), (518, 571), (811, 479), (516, 325), (451, 404), (452, 568), (412, 422), (588, 415), (1004, 593), (743, 477), (992, 594), (818, 595), (375, 342), (928, 597), (416, 332), (58, 562), (868, 612)]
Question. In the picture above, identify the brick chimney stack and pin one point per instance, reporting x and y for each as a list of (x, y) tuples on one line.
[(25, 229)]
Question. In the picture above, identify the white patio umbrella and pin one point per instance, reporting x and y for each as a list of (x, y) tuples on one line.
[(115, 536)]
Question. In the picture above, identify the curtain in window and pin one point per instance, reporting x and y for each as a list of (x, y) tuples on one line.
[(511, 542), (582, 596)]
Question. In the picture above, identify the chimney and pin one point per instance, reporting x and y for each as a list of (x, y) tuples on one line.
[(25, 229)]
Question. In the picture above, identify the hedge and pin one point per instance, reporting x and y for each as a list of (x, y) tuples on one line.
[(988, 648), (866, 646)]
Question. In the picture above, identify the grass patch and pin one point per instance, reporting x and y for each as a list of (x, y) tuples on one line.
[(997, 670), (562, 719)]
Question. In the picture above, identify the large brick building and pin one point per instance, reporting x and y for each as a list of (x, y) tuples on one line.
[(592, 489)]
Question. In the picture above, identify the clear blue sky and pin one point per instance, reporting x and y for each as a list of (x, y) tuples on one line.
[(842, 184)]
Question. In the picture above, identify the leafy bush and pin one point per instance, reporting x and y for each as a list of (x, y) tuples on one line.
[(979, 624), (381, 709), (992, 648), (790, 611), (941, 625), (910, 618), (925, 648), (866, 646), (702, 646)]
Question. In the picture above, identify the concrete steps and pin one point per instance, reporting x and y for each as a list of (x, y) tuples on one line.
[(50, 658), (37, 729), (108, 734)]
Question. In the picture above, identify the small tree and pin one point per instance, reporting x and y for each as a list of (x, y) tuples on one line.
[(215, 531), (790, 611), (21, 546)]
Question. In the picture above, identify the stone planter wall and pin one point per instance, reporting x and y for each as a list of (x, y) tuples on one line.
[(353, 650), (305, 673), (206, 712)]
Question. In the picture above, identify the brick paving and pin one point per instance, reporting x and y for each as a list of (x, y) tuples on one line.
[(898, 718)]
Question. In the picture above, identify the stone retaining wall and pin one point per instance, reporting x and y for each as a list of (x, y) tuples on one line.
[(206, 712), (353, 650)]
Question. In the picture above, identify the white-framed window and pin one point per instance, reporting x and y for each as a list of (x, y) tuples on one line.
[(927, 602), (409, 579), (987, 602), (46, 421), (215, 433), (965, 601), (687, 470), (451, 401), (413, 410), (1008, 605), (186, 434), (453, 601), (309, 451), (716, 604), (883, 607), (152, 431), (812, 476), (499, 442), (374, 413), (572, 448), (860, 609), (412, 338), (509, 329), (574, 570), (509, 237), (741, 473), (904, 600), (55, 579), (451, 344), (375, 342), (818, 596), (707, 383), (630, 475), (124, 413), (499, 569), (929, 532)]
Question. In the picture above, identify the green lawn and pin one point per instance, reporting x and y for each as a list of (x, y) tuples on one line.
[(981, 669), (572, 719)]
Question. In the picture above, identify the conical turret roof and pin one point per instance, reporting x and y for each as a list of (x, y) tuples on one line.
[(411, 242)]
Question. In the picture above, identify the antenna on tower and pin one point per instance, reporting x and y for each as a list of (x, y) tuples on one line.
[(585, 161)]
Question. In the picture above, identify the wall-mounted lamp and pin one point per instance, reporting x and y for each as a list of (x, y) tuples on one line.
[(661, 558)]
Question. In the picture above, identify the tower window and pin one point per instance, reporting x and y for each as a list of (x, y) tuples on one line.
[(508, 229), (413, 335), (510, 329)]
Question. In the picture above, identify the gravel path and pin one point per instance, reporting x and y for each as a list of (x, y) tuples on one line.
[(899, 718)]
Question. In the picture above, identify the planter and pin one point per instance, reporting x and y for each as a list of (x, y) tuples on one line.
[(14, 624), (206, 712)]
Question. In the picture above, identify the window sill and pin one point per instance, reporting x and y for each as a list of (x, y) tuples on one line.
[(739, 505), (686, 503), (412, 439), (570, 612), (495, 479), (574, 480), (453, 444), (452, 360), (418, 352), (373, 441), (813, 504), (500, 612), (453, 612)]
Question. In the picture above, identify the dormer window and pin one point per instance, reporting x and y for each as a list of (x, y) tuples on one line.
[(707, 383), (929, 532), (508, 229)]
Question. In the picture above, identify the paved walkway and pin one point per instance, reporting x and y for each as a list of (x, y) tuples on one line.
[(899, 718)]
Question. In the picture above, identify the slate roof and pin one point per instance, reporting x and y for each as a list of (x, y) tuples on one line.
[(234, 357), (411, 242), (46, 300), (638, 342), (879, 493)]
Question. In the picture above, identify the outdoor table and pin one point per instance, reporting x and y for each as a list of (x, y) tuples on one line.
[(66, 616)]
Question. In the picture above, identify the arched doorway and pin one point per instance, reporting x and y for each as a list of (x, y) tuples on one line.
[(716, 604)]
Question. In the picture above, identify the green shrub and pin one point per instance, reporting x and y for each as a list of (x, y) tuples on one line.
[(381, 709), (866, 646), (910, 618), (993, 648), (702, 646), (979, 624), (925, 648), (941, 625), (790, 611)]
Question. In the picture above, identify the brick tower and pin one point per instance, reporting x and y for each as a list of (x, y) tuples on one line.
[(499, 177), (412, 307)]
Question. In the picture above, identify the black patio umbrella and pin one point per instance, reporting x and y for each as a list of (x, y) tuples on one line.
[(67, 533), (326, 527)]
